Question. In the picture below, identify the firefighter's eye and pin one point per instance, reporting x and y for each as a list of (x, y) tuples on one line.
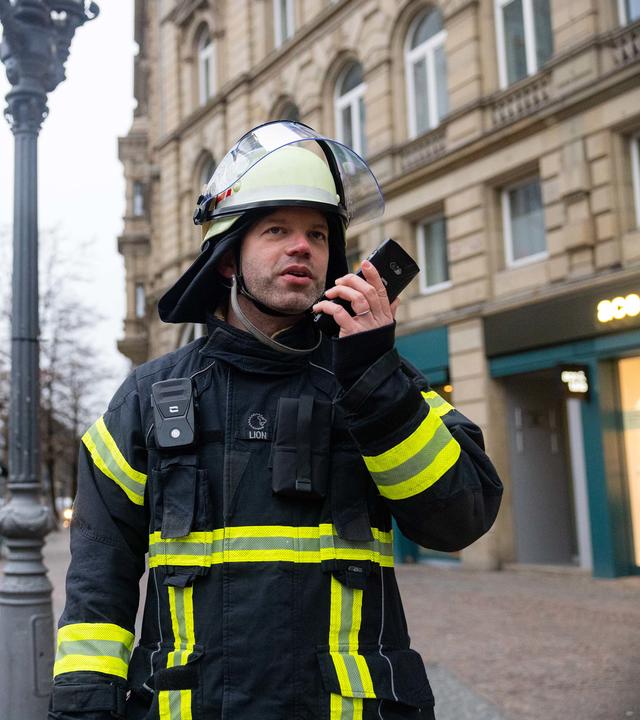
[(275, 230), (318, 235)]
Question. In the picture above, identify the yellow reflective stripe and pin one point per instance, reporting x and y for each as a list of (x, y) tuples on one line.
[(188, 617), (175, 627), (356, 621), (345, 708), (259, 543), (335, 629), (262, 556), (94, 663), (97, 647), (417, 462), (109, 460), (135, 475), (163, 703), (176, 704), (352, 671), (185, 704), (336, 707), (437, 404), (443, 461), (290, 531), (95, 631), (405, 449), (249, 531)]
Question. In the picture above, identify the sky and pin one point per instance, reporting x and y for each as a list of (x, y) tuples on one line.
[(81, 182)]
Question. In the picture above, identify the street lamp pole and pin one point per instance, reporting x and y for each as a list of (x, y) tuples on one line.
[(34, 48)]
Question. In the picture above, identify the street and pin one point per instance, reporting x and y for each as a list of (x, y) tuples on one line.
[(510, 645)]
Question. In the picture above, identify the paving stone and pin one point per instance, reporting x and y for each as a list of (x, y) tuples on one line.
[(456, 701)]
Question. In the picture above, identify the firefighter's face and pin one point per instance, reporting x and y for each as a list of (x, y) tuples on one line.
[(284, 258)]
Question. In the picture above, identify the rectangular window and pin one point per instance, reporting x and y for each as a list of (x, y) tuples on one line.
[(635, 167), (525, 38), (138, 199), (283, 20), (432, 254), (140, 300), (629, 11), (523, 223)]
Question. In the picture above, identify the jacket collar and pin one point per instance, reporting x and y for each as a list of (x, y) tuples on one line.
[(241, 350)]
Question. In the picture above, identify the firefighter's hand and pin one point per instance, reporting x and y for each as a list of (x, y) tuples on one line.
[(368, 298)]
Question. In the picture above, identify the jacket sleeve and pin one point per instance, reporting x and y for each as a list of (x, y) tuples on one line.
[(426, 458), (108, 544)]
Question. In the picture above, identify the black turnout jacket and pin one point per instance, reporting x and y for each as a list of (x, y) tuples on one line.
[(271, 592)]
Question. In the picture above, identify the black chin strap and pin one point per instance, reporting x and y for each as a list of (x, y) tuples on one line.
[(258, 334)]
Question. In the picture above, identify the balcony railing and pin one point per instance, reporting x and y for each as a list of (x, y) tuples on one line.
[(626, 46), (525, 98), (423, 150)]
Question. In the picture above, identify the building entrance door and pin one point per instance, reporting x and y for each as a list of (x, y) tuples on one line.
[(540, 471), (629, 373)]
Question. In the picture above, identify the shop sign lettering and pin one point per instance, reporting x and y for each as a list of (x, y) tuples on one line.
[(619, 308)]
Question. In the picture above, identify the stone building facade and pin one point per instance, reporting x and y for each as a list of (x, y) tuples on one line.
[(505, 136)]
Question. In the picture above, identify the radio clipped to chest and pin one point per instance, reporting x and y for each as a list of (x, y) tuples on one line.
[(173, 413)]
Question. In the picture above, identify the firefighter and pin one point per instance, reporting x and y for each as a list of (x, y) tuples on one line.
[(259, 469)]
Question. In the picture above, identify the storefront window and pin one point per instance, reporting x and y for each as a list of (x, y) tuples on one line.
[(630, 406)]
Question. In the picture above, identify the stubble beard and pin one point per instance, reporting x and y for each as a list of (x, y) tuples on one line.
[(292, 300)]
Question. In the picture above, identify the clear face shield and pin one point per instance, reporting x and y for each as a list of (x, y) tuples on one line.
[(359, 195)]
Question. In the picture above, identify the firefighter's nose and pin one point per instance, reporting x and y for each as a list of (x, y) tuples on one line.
[(299, 245)]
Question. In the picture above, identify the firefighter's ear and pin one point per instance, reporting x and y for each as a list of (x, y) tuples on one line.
[(226, 266)]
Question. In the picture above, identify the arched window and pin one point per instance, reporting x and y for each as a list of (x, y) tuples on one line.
[(206, 67), (349, 107), (289, 111), (426, 70), (207, 169)]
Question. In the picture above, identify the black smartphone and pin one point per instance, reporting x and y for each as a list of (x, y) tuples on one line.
[(397, 269)]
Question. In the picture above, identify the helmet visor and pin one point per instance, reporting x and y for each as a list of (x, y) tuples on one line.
[(360, 194)]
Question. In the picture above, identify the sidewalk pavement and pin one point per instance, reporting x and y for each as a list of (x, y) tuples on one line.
[(510, 645)]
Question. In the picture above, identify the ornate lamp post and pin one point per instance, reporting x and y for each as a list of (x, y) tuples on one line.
[(34, 48)]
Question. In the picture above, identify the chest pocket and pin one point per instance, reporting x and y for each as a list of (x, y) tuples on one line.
[(182, 540), (301, 448)]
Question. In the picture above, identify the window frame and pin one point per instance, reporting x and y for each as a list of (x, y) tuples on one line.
[(635, 175), (530, 46), (622, 13), (280, 38), (427, 51), (206, 53), (140, 301), (138, 199), (422, 260), (510, 263), (350, 99), (206, 173)]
